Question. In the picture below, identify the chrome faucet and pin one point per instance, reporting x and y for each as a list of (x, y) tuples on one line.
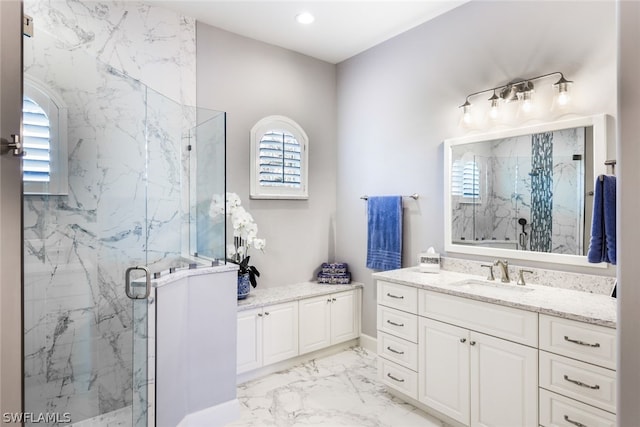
[(505, 270)]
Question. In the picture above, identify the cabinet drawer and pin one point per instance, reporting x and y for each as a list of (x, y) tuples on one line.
[(589, 343), (556, 410), (503, 322), (582, 381), (397, 350), (398, 323), (398, 377), (398, 296)]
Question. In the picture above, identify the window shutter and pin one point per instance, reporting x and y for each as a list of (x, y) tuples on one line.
[(279, 159), (471, 180), (37, 143), (465, 179)]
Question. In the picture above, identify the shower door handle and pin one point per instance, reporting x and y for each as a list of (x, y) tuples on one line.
[(127, 285), (14, 145)]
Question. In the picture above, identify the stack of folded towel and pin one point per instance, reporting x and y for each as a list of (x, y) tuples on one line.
[(336, 273)]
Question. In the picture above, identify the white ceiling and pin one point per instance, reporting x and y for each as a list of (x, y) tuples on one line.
[(341, 29)]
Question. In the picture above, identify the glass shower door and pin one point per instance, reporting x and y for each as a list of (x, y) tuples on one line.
[(79, 323)]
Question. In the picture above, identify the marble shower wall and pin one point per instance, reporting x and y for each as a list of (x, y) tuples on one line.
[(505, 192), (124, 69)]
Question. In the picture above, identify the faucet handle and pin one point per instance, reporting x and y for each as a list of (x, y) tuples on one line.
[(521, 272), (490, 267)]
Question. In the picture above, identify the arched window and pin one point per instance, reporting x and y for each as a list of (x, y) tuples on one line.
[(279, 159), (44, 117), (465, 179)]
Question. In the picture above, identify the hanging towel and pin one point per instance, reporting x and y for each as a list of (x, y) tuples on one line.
[(602, 247), (384, 243)]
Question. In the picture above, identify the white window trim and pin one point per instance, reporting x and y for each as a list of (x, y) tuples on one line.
[(264, 192), (57, 114)]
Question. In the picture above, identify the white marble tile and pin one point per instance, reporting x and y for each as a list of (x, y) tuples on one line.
[(338, 390), (124, 70), (118, 418)]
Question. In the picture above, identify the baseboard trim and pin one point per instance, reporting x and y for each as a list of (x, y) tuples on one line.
[(290, 363), (369, 343), (215, 416)]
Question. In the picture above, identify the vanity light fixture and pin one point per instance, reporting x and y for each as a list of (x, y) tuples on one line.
[(305, 18), (520, 90)]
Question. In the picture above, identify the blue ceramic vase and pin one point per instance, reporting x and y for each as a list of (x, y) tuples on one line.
[(244, 285)]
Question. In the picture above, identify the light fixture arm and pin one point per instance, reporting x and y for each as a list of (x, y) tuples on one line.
[(520, 82)]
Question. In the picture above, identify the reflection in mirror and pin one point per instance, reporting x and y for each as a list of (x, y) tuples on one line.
[(524, 193)]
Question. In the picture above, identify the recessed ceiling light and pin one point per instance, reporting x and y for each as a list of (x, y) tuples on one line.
[(305, 18)]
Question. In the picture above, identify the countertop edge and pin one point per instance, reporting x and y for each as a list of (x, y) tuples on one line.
[(292, 292), (573, 314)]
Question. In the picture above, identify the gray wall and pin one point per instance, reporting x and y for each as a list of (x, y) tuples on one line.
[(250, 80), (398, 101), (628, 208)]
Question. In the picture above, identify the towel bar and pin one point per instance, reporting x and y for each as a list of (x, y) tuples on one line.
[(414, 196)]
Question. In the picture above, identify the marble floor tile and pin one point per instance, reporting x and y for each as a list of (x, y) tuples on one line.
[(338, 390), (119, 418)]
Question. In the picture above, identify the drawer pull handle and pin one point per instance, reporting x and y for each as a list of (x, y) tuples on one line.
[(395, 296), (398, 379), (596, 345), (581, 384), (463, 340), (575, 423), (472, 343), (394, 351), (395, 324)]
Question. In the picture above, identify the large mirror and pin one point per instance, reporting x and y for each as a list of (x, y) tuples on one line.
[(525, 193)]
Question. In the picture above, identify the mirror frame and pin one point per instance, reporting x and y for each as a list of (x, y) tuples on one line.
[(600, 144)]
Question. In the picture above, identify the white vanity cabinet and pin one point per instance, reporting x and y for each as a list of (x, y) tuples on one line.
[(480, 363), (478, 379), (267, 335), (277, 325), (577, 373), (397, 325), (327, 320)]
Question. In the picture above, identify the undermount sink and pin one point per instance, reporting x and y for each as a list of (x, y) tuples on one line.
[(478, 284)]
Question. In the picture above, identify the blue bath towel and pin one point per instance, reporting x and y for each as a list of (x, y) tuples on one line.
[(384, 243), (602, 247)]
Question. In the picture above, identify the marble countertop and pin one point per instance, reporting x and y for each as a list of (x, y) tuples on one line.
[(167, 278), (260, 297), (570, 304)]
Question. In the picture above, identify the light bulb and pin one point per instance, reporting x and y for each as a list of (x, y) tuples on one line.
[(526, 98), (494, 109), (562, 95), (467, 118)]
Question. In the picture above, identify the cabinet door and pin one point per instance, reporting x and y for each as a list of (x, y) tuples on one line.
[(344, 321), (443, 368), (315, 323), (249, 344), (280, 332), (504, 383)]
